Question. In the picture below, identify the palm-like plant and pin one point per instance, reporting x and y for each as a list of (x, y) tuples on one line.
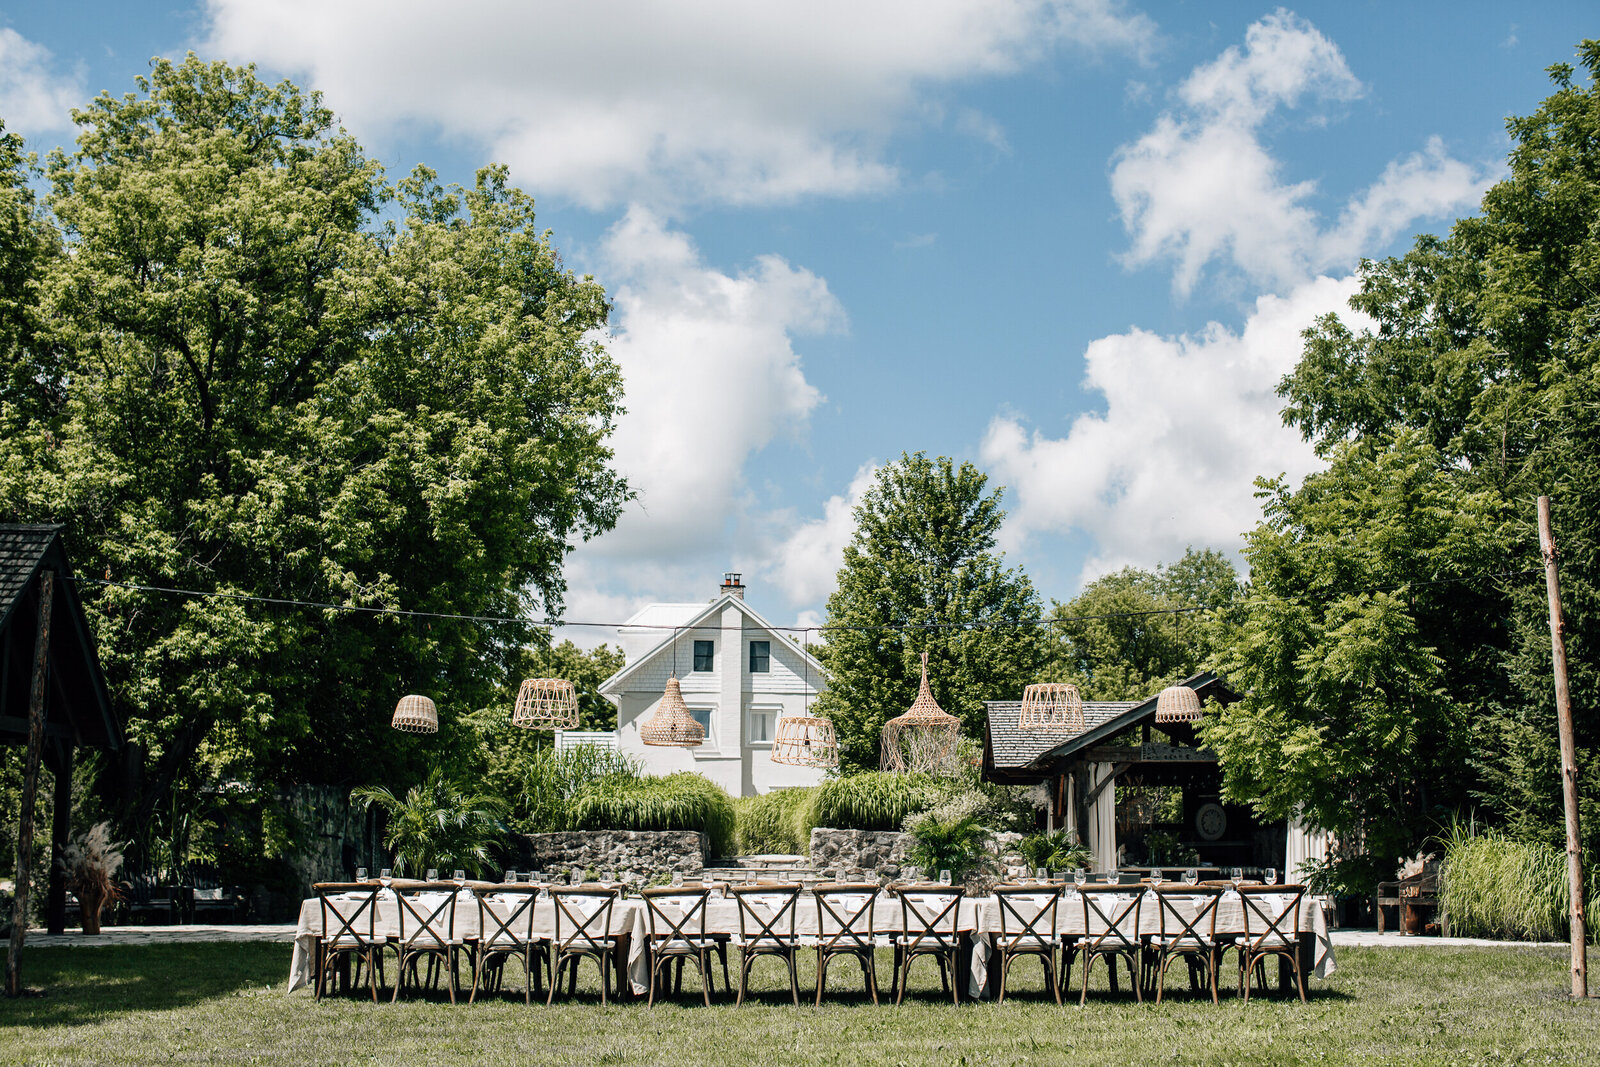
[(437, 824), (951, 836)]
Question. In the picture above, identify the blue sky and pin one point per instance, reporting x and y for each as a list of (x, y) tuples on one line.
[(1072, 241)]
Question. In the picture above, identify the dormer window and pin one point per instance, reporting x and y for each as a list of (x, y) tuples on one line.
[(760, 657)]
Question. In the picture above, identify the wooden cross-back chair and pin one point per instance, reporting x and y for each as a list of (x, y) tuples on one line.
[(845, 928), (427, 924), (1028, 928), (1188, 929), (930, 916), (678, 934), (511, 936), (583, 932), (1271, 928), (766, 928), (349, 917), (1111, 929)]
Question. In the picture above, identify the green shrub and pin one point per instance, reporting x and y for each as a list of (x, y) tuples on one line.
[(778, 821), (1493, 886), (873, 801), (549, 782), (1058, 851), (682, 801), (437, 823), (952, 836)]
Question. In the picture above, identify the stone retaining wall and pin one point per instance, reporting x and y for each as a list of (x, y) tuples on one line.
[(856, 855), (638, 855)]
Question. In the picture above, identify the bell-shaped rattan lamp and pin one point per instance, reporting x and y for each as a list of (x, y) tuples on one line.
[(924, 738), (415, 715), (1178, 703), (672, 726), (1053, 706), (546, 704), (805, 741)]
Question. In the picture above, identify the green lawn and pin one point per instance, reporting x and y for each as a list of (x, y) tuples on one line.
[(216, 1003)]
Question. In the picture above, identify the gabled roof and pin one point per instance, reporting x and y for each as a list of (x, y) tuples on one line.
[(706, 619), (1010, 753), (77, 705)]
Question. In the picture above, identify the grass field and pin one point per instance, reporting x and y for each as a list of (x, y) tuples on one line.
[(225, 1003)]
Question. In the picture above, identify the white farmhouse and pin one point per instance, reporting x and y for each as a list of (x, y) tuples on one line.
[(738, 676)]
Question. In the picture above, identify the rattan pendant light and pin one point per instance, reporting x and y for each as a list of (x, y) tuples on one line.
[(672, 726), (546, 704), (805, 740), (1054, 706), (415, 715), (924, 738), (1178, 703)]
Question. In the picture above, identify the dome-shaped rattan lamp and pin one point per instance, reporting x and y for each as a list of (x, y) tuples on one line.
[(672, 725), (924, 738), (1178, 703), (415, 715), (1054, 706), (805, 741), (546, 704)]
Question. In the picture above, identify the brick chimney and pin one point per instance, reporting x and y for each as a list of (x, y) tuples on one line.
[(731, 584)]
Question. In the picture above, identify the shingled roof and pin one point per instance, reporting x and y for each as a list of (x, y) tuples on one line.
[(1011, 748), (77, 706)]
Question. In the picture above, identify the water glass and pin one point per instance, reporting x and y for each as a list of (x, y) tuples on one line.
[(1191, 876), (677, 878), (1155, 878), (511, 878), (385, 875), (433, 874), (1272, 876), (609, 877), (361, 874), (912, 873), (575, 876), (1080, 877), (1041, 875), (535, 877), (458, 877), (1236, 876), (1114, 878), (944, 877)]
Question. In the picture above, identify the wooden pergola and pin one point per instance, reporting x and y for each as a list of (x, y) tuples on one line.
[(53, 697)]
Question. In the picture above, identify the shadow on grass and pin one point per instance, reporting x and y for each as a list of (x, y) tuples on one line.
[(81, 985)]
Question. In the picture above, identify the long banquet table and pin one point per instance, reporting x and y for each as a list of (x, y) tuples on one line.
[(978, 916)]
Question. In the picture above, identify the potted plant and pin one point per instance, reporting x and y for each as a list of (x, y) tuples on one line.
[(89, 863)]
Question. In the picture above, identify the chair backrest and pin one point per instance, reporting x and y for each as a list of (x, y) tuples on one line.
[(583, 915), (1271, 915), (516, 902), (1111, 916), (844, 915), (1188, 913), (427, 912), (766, 912), (929, 912), (676, 913), (349, 910), (1027, 912)]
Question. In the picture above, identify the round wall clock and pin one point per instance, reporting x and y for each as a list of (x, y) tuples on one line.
[(1211, 822)]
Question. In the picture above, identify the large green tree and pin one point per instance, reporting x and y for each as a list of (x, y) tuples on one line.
[(1391, 673), (921, 574), (281, 377)]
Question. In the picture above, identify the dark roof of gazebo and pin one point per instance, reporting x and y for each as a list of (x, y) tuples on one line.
[(77, 706)]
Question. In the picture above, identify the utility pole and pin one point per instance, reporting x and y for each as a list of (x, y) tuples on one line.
[(1569, 757), (30, 781)]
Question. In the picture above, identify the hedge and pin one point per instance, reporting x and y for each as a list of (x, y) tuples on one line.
[(873, 801), (682, 801), (778, 821)]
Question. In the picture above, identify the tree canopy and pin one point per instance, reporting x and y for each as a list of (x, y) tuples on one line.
[(263, 371), (1396, 654), (921, 574)]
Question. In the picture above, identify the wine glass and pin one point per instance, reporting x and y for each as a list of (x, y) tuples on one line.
[(1080, 877), (385, 876), (944, 877), (1236, 876), (1191, 876), (361, 874), (1156, 878), (1113, 878)]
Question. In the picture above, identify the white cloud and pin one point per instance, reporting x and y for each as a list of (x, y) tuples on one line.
[(711, 377), (698, 100), (1189, 423), (34, 97), (1201, 185), (806, 563)]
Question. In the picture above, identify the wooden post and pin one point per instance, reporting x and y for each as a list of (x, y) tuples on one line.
[(30, 781), (1569, 758)]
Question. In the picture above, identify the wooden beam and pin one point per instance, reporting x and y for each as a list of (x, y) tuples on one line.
[(30, 782)]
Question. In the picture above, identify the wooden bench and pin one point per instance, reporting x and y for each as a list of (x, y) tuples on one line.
[(1415, 898)]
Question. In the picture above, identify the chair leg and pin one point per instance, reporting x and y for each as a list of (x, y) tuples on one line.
[(1133, 976), (1005, 972), (822, 974), (1050, 973), (794, 975)]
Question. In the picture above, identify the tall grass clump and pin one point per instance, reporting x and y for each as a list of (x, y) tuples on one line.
[(550, 782), (778, 821), (873, 801), (1493, 886), (682, 801)]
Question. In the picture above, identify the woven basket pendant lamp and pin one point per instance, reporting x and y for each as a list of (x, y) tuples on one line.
[(1051, 706), (924, 738), (415, 715), (1178, 703), (546, 704), (672, 726), (805, 740)]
